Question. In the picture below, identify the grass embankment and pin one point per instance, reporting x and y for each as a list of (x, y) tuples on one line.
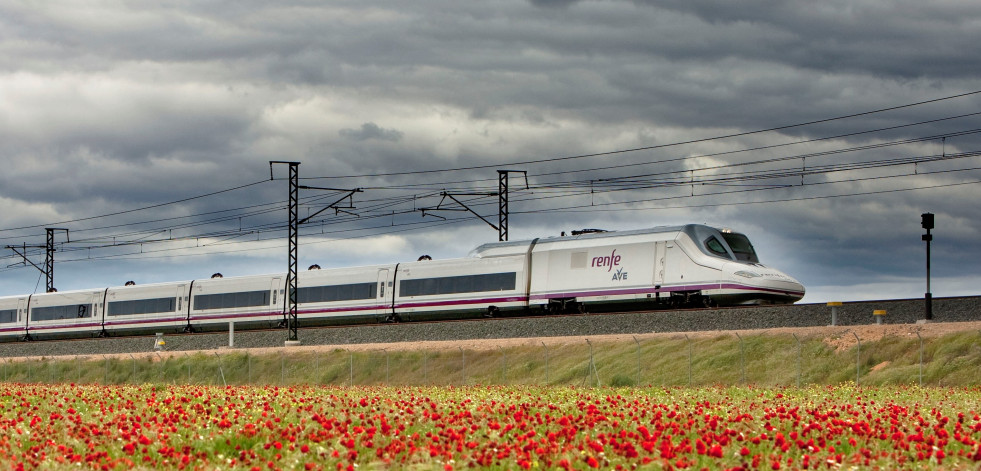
[(763, 360)]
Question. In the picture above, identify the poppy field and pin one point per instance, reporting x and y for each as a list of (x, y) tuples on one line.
[(496, 427)]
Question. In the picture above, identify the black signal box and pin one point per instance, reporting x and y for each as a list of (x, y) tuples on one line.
[(927, 221)]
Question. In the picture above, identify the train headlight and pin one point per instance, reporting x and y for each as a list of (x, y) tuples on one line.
[(747, 274)]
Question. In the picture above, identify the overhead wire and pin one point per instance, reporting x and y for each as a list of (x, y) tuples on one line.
[(390, 206), (144, 208), (628, 150), (659, 146)]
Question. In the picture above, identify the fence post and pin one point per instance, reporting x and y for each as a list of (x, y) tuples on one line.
[(638, 358), (689, 359), (463, 360), (592, 365), (134, 366), (425, 368), (105, 371), (921, 357), (188, 360), (858, 357), (221, 371), (282, 367), (161, 367), (504, 366), (798, 359), (742, 359), (248, 365), (546, 362), (351, 366)]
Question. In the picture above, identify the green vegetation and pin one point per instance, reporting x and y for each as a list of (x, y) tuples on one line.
[(762, 360)]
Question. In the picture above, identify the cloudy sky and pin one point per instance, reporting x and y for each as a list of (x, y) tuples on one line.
[(821, 130)]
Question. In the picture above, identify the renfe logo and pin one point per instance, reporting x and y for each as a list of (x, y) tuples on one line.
[(611, 261)]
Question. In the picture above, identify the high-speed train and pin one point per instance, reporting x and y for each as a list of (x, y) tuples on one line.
[(680, 266)]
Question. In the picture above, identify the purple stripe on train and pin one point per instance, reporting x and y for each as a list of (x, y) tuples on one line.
[(646, 290)]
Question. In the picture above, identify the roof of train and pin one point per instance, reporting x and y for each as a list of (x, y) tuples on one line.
[(584, 236)]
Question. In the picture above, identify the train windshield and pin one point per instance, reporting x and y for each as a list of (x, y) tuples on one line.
[(741, 247)]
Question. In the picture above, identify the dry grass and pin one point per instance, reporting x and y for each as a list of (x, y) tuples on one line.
[(888, 354)]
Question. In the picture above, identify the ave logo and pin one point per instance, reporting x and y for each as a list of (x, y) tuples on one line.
[(610, 261)]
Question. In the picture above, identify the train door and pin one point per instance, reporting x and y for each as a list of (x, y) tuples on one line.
[(22, 311), (659, 255), (98, 306), (275, 288), (385, 290), (181, 290), (382, 283), (672, 266)]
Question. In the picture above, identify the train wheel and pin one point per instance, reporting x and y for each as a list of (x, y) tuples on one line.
[(492, 311)]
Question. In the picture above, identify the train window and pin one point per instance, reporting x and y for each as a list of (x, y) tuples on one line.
[(320, 294), (716, 247), (231, 300), (140, 306), (71, 311), (8, 315), (459, 284), (741, 247)]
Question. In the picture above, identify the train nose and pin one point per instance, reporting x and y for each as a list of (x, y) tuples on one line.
[(779, 286), (789, 287)]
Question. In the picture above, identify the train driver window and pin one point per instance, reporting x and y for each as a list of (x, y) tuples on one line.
[(716, 247), (741, 247)]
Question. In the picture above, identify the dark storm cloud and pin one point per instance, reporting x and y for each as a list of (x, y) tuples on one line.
[(900, 39), (592, 57)]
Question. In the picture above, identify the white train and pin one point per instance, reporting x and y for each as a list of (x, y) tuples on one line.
[(691, 265)]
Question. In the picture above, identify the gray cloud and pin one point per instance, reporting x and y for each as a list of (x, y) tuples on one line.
[(553, 3), (371, 131)]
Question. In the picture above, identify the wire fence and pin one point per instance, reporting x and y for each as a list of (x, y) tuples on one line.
[(681, 360)]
